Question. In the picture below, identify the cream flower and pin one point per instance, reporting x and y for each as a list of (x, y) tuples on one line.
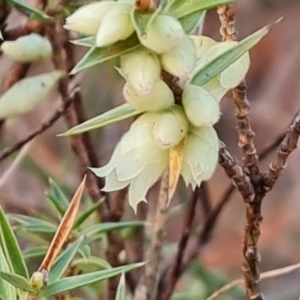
[(136, 162), (200, 155)]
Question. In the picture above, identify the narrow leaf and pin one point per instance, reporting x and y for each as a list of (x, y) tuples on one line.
[(17, 281), (192, 21), (11, 247), (88, 41), (175, 163), (57, 197), (33, 224), (221, 62), (81, 219), (63, 229), (121, 291), (112, 116), (180, 8), (73, 282), (7, 291), (106, 227), (90, 264), (62, 262), (97, 56), (35, 252), (23, 6)]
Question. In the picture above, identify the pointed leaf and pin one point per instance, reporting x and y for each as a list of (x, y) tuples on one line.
[(220, 63), (63, 229), (175, 163), (81, 219), (90, 264), (97, 56), (73, 282), (62, 262), (114, 115), (7, 291), (88, 41), (57, 197), (33, 224), (121, 291), (35, 252), (23, 6), (11, 247), (192, 21), (17, 281), (181, 8)]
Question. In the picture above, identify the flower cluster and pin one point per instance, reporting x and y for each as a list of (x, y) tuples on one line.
[(143, 153)]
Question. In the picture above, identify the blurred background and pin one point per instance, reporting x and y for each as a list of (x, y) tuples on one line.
[(274, 95)]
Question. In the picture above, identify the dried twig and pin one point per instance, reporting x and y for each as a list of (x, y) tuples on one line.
[(265, 275), (288, 144), (152, 268)]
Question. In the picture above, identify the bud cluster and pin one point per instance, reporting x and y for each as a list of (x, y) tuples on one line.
[(143, 153)]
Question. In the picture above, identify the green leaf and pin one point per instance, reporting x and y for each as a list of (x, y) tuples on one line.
[(81, 219), (7, 291), (35, 252), (62, 262), (221, 62), (121, 291), (73, 282), (23, 6), (11, 247), (192, 21), (112, 116), (33, 224), (57, 197), (18, 281), (91, 264), (97, 56), (179, 8), (106, 227), (88, 41)]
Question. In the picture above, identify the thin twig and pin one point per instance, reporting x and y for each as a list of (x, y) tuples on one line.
[(45, 125), (288, 144), (235, 172), (175, 270), (152, 268), (265, 275), (242, 108)]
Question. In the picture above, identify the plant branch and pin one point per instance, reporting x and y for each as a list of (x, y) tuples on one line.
[(152, 268), (288, 144)]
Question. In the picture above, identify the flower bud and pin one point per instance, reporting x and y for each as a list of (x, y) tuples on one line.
[(180, 61), (163, 35), (170, 127), (87, 18), (27, 93), (141, 68), (161, 97), (115, 25), (200, 155), (214, 87), (29, 48), (200, 106), (202, 44), (37, 281)]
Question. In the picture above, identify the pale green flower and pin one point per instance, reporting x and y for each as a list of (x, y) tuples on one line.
[(115, 25), (180, 61), (141, 68), (28, 48), (200, 106), (200, 155), (159, 98), (87, 18), (164, 34)]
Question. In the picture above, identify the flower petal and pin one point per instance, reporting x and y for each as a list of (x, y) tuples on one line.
[(113, 184)]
